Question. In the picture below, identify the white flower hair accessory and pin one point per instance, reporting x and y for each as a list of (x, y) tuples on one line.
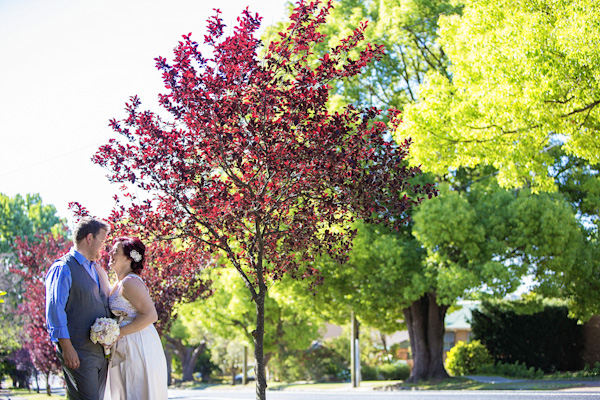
[(137, 257)]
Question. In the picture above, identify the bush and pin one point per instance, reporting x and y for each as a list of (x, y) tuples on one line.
[(547, 339), (368, 373), (516, 370), (397, 371), (326, 362), (467, 358), (590, 372)]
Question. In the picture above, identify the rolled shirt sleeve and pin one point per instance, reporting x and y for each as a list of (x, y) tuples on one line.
[(58, 285)]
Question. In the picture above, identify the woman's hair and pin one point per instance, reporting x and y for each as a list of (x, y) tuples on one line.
[(134, 249)]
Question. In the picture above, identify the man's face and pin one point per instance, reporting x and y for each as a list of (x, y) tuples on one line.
[(97, 244)]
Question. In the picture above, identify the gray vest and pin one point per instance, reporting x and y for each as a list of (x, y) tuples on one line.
[(86, 303)]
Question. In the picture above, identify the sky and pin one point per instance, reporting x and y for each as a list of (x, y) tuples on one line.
[(68, 66)]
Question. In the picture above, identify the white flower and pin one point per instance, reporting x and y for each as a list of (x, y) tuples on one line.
[(137, 257)]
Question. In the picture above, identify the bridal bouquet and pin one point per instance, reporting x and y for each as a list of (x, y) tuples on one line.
[(105, 331)]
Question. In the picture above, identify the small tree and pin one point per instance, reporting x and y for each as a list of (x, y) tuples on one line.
[(252, 164), (35, 257)]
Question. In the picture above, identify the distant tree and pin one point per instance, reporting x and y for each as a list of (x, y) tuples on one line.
[(252, 164), (187, 346), (9, 338), (21, 368), (25, 217)]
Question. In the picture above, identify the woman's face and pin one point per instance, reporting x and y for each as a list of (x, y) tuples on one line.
[(118, 260)]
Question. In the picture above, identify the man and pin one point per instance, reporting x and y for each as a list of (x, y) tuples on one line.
[(77, 291)]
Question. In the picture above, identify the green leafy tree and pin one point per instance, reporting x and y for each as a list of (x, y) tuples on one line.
[(479, 242), (579, 182), (24, 217), (188, 341), (407, 29), (382, 261), (523, 79)]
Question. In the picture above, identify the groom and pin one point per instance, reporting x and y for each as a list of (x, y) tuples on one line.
[(77, 291)]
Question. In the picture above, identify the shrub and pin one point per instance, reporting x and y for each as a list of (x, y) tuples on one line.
[(326, 362), (467, 358), (397, 371), (547, 339), (513, 370), (368, 373), (590, 372), (394, 371)]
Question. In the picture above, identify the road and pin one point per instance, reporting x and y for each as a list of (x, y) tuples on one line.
[(399, 395)]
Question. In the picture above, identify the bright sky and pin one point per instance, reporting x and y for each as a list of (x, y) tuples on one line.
[(68, 66)]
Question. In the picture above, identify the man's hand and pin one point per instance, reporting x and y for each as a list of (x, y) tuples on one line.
[(69, 353)]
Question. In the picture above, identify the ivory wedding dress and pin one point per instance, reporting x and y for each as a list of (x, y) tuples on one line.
[(138, 368)]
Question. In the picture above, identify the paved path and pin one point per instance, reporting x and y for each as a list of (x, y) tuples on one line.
[(589, 387)]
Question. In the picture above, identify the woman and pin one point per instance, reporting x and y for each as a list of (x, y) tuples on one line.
[(138, 369)]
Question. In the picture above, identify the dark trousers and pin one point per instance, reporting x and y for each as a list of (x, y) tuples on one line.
[(89, 380)]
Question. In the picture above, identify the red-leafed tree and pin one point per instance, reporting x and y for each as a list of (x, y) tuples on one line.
[(251, 164), (35, 257)]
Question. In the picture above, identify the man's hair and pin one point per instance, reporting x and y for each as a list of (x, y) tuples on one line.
[(87, 225)]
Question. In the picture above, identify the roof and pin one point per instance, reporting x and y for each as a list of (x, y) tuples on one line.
[(459, 320)]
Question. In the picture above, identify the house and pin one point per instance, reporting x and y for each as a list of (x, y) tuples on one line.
[(458, 324)]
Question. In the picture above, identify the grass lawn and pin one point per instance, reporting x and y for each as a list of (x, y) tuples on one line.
[(449, 384), (29, 395), (467, 384)]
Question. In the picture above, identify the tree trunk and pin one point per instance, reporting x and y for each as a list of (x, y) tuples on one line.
[(259, 334), (48, 388), (37, 383), (232, 371), (187, 355), (383, 341), (169, 358), (425, 322)]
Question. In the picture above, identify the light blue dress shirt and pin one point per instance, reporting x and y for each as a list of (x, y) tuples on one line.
[(58, 286)]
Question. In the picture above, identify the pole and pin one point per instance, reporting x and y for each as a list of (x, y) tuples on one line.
[(354, 352), (245, 366)]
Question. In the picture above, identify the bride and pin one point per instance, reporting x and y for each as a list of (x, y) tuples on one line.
[(138, 367)]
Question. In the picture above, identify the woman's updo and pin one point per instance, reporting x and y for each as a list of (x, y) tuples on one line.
[(135, 250)]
